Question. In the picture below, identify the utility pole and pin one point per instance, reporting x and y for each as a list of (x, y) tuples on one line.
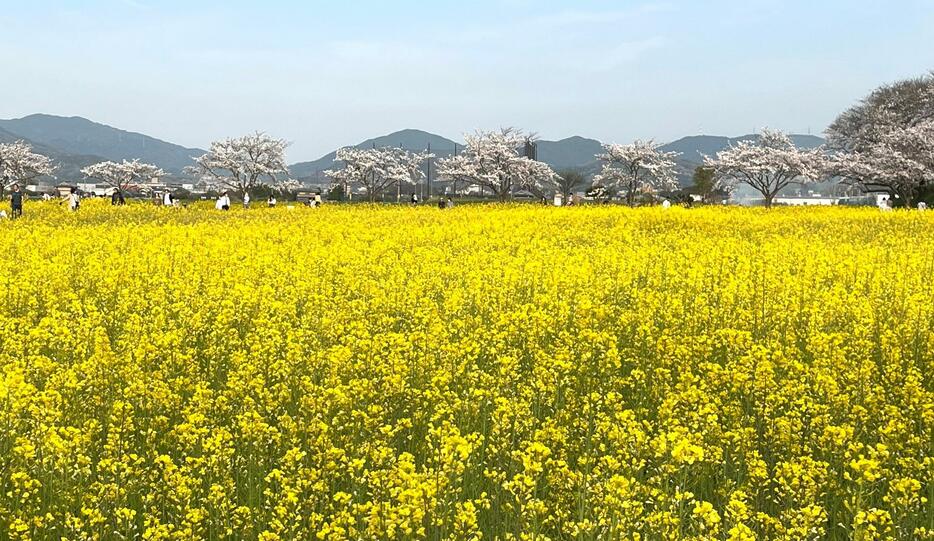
[(428, 178)]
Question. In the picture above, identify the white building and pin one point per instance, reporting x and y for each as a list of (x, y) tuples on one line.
[(805, 200)]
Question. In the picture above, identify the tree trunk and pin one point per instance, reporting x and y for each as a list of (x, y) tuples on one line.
[(768, 200), (908, 195)]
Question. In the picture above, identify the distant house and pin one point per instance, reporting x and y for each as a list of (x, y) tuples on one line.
[(805, 200), (64, 189), (96, 190), (303, 196)]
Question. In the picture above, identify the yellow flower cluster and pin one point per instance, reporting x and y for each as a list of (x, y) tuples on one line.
[(489, 372)]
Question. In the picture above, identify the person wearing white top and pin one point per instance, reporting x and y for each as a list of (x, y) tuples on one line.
[(167, 199), (223, 202), (74, 200), (246, 200), (666, 204)]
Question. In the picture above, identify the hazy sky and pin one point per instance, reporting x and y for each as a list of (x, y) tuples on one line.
[(328, 73)]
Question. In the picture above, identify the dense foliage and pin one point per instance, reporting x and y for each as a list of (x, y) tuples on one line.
[(516, 372)]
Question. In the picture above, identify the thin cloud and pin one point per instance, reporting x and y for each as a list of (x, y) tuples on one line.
[(620, 55), (578, 17), (136, 4), (538, 27)]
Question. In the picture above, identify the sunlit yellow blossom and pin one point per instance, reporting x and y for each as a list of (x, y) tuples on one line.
[(482, 372)]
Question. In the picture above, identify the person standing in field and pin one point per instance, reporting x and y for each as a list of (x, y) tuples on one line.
[(116, 199), (922, 206), (167, 199), (16, 202), (246, 200), (74, 200), (666, 204), (271, 201), (317, 199), (223, 202)]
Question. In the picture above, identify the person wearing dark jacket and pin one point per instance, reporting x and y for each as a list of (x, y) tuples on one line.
[(117, 198), (16, 202)]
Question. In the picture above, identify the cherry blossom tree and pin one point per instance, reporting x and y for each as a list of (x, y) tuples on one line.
[(899, 163), (377, 169), (492, 160), (19, 164), (767, 164), (637, 167), (123, 175), (288, 185), (409, 167), (883, 143), (243, 163), (568, 181), (900, 105)]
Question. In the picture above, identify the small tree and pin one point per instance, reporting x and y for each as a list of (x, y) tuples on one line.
[(337, 192), (243, 163), (123, 175), (492, 160), (568, 180), (705, 182), (20, 165), (767, 164), (637, 167)]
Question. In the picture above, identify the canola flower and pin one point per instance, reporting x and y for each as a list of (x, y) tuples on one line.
[(495, 372)]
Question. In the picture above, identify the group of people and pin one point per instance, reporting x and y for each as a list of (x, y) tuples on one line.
[(73, 199), (223, 201), (17, 196), (885, 205), (445, 203)]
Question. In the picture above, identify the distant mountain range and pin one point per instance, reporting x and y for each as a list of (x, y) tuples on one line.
[(76, 136), (695, 147), (68, 166), (75, 142), (441, 147)]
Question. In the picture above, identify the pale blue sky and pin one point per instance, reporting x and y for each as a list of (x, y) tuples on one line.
[(325, 74)]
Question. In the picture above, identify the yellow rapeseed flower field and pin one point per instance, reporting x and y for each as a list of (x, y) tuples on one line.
[(494, 372)]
